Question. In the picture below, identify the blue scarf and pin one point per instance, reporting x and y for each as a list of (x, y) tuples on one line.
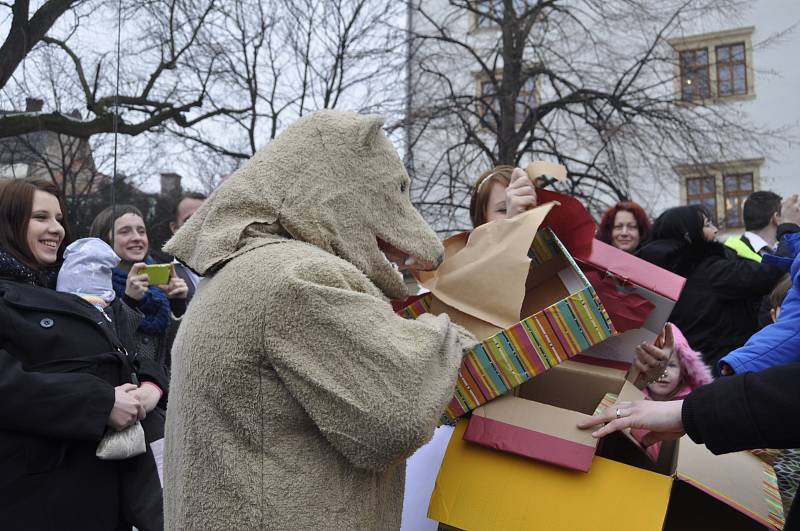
[(155, 305)]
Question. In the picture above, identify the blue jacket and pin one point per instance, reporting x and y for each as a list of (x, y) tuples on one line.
[(778, 343)]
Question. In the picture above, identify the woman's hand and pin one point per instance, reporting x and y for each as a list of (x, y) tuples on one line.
[(136, 285), (127, 408), (662, 419), (177, 288), (520, 193), (652, 359), (148, 395)]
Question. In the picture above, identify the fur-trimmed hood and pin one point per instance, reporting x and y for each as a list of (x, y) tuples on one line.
[(333, 180)]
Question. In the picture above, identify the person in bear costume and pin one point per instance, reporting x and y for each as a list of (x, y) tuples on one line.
[(297, 393)]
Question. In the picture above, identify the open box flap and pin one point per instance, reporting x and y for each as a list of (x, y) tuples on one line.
[(485, 279), (542, 422), (632, 269), (534, 430), (621, 347), (736, 479), (587, 384), (630, 393)]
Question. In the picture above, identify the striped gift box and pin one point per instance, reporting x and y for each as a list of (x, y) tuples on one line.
[(541, 341)]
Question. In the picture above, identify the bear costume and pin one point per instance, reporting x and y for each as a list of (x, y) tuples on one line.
[(297, 393)]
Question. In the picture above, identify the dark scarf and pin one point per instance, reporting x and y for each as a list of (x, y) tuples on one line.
[(13, 269), (155, 304)]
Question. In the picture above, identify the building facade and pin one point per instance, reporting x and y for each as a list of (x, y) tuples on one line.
[(727, 75)]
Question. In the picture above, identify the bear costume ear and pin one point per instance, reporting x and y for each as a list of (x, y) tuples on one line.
[(369, 130)]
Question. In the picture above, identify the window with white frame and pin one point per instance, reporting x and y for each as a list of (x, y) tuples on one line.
[(736, 187), (715, 66), (694, 74), (731, 70), (721, 188), (703, 191)]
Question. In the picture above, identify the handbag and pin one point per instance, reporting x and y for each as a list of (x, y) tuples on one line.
[(123, 444)]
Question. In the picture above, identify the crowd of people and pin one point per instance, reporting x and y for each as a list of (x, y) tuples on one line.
[(727, 321), (86, 343), (84, 353)]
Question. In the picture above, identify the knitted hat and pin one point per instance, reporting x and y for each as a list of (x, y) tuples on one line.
[(87, 268), (693, 370)]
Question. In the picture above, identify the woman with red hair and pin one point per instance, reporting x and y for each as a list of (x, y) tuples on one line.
[(625, 226)]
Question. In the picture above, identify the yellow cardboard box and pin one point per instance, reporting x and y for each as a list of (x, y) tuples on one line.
[(689, 488)]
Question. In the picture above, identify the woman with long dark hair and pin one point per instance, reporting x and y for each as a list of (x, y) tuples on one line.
[(717, 307), (65, 381)]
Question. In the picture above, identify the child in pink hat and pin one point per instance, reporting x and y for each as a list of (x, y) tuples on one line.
[(685, 372)]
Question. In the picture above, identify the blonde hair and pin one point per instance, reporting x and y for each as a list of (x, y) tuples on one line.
[(480, 194)]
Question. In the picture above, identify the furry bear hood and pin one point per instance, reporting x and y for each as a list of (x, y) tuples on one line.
[(333, 180)]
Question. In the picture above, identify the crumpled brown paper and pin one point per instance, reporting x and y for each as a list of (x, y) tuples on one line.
[(481, 283)]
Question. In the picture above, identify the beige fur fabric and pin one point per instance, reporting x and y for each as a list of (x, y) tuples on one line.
[(296, 392), (333, 180)]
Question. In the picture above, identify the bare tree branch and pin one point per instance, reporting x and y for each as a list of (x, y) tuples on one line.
[(26, 33)]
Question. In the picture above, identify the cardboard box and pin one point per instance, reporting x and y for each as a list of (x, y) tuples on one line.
[(689, 488), (479, 489), (558, 314), (734, 491), (540, 422), (643, 280)]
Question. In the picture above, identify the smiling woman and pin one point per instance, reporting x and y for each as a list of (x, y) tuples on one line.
[(625, 226), (45, 229), (64, 382), (123, 228), (34, 216)]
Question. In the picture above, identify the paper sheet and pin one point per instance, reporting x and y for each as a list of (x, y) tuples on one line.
[(421, 471), (486, 278)]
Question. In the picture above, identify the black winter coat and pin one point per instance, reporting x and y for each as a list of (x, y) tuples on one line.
[(59, 363), (751, 410), (717, 307)]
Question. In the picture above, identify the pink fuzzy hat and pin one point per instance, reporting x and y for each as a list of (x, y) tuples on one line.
[(695, 373)]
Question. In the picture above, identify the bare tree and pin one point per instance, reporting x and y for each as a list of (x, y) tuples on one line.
[(161, 79), (588, 83), (275, 61)]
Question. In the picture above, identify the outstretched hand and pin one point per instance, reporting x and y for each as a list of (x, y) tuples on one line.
[(662, 419)]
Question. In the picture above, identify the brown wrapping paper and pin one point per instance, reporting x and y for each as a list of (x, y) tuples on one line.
[(484, 280)]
